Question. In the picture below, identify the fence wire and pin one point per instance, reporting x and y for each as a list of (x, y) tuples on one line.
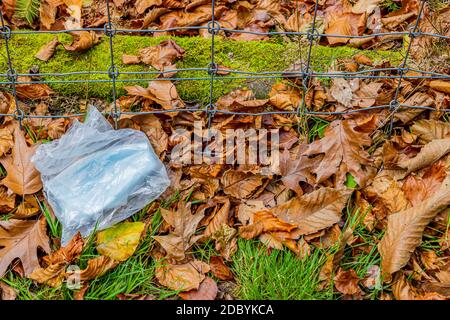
[(306, 74)]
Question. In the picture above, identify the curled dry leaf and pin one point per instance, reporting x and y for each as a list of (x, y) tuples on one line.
[(97, 267), (161, 57), (346, 282), (48, 50), (21, 239), (82, 41), (430, 153), (182, 277), (32, 90), (404, 230), (120, 241), (440, 85), (264, 221), (206, 291), (22, 177), (220, 269)]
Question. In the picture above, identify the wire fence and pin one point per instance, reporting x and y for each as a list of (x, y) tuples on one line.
[(306, 74)]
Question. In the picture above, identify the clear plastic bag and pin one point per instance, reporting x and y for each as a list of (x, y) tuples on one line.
[(95, 176)]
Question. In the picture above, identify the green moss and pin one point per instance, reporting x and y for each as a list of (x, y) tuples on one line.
[(252, 56)]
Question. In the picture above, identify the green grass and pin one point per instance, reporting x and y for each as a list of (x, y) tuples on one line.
[(277, 275), (253, 56)]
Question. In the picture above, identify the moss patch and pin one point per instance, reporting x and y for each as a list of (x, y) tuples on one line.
[(252, 56)]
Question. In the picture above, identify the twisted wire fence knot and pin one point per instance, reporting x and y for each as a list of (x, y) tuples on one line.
[(213, 27), (5, 32), (394, 105), (19, 115), (313, 34), (213, 68), (12, 75), (110, 29), (113, 72)]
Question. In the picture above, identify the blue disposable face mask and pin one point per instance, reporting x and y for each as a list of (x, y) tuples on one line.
[(95, 176)]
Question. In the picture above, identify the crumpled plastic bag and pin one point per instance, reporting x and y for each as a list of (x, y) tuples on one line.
[(95, 176)]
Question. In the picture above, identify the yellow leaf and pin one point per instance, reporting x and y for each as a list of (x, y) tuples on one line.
[(120, 241)]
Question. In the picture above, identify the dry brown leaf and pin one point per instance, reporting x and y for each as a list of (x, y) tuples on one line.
[(206, 291), (27, 208), (142, 5), (293, 171), (56, 128), (239, 184), (22, 178), (82, 41), (314, 211), (220, 269), (184, 226), (346, 24), (48, 50), (430, 153), (152, 127), (182, 277), (343, 148), (220, 217), (7, 201), (264, 221), (429, 130), (6, 141), (97, 267), (6, 292), (346, 282), (417, 189), (440, 85), (404, 230), (21, 239), (54, 273), (32, 90), (284, 97)]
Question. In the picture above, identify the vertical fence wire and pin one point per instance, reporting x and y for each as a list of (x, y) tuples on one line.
[(113, 72), (395, 104), (11, 73)]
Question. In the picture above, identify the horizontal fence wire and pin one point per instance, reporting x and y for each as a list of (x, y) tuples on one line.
[(212, 70)]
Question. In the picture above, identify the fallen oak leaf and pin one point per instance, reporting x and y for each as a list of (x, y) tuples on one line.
[(120, 241), (21, 239), (343, 148), (22, 177), (55, 271), (405, 228)]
